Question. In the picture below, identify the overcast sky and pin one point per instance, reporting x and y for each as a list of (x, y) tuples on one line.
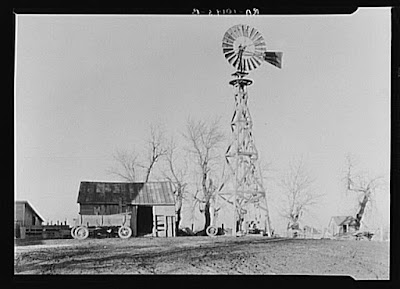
[(87, 85)]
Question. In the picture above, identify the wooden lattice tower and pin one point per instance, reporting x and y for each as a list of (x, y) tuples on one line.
[(245, 49)]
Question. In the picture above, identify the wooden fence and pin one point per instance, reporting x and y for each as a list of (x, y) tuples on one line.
[(42, 232)]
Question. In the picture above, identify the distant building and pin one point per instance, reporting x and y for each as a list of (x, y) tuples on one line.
[(301, 230), (152, 204), (25, 216), (339, 225), (311, 232)]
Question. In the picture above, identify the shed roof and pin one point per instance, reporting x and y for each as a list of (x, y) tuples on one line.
[(344, 220), (151, 193), (27, 204)]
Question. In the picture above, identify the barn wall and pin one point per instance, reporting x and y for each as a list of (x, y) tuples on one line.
[(19, 212), (86, 210), (31, 218)]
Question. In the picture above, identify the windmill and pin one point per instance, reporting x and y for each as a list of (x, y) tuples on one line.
[(244, 48)]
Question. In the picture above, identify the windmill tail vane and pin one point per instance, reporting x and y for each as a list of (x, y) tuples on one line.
[(274, 58)]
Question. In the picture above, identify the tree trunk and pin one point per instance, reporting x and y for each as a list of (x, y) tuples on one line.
[(148, 173), (360, 213), (207, 215), (178, 219), (178, 204)]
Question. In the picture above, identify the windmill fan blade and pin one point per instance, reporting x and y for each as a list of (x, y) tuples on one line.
[(236, 61), (230, 58), (275, 58), (228, 54), (253, 64)]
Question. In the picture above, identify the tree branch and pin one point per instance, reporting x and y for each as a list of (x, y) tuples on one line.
[(127, 163)]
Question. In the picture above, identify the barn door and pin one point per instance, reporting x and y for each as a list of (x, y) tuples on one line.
[(144, 220)]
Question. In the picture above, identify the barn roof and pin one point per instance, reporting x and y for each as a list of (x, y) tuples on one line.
[(27, 204), (151, 193), (344, 220)]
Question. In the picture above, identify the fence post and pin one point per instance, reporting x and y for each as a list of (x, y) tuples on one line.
[(22, 232)]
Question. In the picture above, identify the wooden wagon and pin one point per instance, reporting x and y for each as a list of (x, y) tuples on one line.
[(363, 235), (117, 223)]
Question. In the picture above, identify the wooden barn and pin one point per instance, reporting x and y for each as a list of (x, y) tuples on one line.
[(152, 204), (27, 220), (26, 215), (340, 225)]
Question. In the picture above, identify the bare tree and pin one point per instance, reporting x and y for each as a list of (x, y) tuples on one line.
[(156, 149), (204, 139), (361, 184), (176, 173), (299, 194), (127, 165), (131, 168)]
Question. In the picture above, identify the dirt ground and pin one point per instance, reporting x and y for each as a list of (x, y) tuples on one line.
[(205, 255)]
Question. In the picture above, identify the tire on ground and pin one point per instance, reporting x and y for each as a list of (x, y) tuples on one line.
[(73, 231), (124, 232), (81, 232), (212, 231)]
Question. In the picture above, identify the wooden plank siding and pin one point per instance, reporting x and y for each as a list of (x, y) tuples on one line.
[(164, 221), (134, 221), (19, 213)]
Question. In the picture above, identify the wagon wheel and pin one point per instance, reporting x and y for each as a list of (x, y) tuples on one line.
[(124, 232), (81, 233), (73, 231), (212, 231)]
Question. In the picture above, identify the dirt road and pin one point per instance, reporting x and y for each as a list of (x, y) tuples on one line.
[(205, 255)]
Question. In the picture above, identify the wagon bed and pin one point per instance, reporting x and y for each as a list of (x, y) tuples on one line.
[(85, 224)]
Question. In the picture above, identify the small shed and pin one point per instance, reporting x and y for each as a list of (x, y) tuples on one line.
[(339, 225), (26, 215), (151, 204), (311, 232), (27, 220)]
